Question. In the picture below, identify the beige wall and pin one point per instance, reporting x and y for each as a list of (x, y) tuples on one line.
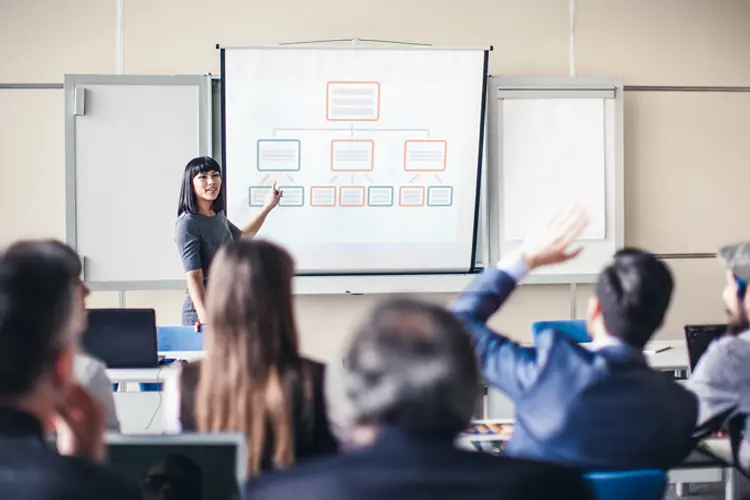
[(686, 154)]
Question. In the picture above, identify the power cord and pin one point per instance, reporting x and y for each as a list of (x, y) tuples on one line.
[(158, 405)]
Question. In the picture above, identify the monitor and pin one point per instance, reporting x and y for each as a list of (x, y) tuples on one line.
[(122, 338), (195, 466), (698, 338)]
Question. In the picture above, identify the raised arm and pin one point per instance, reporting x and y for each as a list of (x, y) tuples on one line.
[(506, 364), (272, 200)]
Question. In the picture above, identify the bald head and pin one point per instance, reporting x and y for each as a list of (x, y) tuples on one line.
[(411, 365)]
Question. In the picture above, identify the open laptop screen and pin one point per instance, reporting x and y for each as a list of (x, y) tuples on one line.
[(699, 337), (189, 466), (122, 338)]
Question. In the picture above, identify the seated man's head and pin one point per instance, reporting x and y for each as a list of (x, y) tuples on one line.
[(42, 313), (410, 366), (736, 258), (632, 296)]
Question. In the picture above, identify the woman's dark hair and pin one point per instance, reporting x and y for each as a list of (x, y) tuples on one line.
[(200, 165), (37, 290), (252, 379)]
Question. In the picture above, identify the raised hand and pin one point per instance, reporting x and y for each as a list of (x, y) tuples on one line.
[(273, 197), (80, 424), (552, 244)]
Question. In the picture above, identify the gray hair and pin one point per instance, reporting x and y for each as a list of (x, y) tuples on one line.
[(410, 364)]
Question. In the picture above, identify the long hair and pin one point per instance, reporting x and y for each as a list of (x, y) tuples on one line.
[(252, 379), (187, 202)]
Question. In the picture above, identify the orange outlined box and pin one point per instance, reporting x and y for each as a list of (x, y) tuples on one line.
[(425, 155), (412, 196), (322, 196), (352, 155), (353, 101), (351, 196)]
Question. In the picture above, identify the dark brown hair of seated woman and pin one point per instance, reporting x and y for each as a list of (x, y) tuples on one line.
[(252, 378)]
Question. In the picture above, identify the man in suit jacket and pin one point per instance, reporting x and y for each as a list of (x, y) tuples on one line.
[(597, 408), (412, 383), (41, 317)]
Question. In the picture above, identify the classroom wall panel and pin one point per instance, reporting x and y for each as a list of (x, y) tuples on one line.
[(41, 40), (179, 36), (103, 300), (583, 294), (326, 322), (33, 165), (686, 170), (664, 42), (166, 303), (697, 297)]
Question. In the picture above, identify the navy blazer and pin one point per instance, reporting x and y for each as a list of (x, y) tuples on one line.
[(603, 409), (404, 466)]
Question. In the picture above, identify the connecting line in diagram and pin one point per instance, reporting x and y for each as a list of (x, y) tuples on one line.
[(355, 105)]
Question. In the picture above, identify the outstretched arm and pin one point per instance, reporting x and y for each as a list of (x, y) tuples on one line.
[(272, 200), (505, 363)]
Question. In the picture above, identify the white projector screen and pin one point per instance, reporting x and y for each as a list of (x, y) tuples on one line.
[(376, 151)]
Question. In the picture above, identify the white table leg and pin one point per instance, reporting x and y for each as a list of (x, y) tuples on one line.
[(681, 489), (731, 484)]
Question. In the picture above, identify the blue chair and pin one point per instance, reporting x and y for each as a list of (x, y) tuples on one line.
[(175, 338), (575, 329), (179, 338), (646, 484)]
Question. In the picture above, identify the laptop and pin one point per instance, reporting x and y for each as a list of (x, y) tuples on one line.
[(122, 338), (699, 337), (190, 466)]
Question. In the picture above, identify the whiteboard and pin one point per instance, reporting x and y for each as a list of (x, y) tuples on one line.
[(377, 152), (127, 142), (558, 142)]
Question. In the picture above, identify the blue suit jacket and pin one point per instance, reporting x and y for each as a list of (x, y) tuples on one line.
[(599, 410)]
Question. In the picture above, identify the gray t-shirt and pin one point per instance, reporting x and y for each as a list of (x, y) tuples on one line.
[(199, 237)]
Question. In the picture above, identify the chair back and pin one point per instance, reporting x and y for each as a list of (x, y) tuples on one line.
[(646, 484), (575, 329), (179, 338)]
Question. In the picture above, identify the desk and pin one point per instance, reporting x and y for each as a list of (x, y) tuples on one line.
[(495, 404), (141, 412), (151, 375), (675, 359)]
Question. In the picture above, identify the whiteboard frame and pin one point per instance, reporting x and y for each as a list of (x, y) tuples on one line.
[(503, 87), (202, 82)]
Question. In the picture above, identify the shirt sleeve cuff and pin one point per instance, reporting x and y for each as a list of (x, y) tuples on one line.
[(515, 266)]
